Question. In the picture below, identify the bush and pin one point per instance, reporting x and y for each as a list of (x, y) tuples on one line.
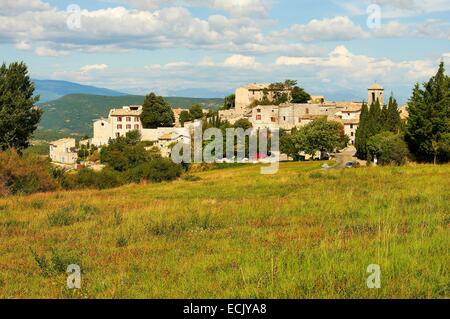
[(62, 217), (122, 241), (124, 153), (87, 178), (157, 170), (389, 148), (24, 175)]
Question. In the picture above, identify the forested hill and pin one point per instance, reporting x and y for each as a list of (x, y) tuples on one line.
[(74, 114)]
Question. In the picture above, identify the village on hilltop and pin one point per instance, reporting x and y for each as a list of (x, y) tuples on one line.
[(284, 116)]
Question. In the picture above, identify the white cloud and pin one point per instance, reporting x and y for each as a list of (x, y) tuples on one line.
[(334, 29), (397, 8), (23, 46), (241, 61), (239, 8), (13, 7), (124, 29), (45, 51), (341, 62), (93, 67)]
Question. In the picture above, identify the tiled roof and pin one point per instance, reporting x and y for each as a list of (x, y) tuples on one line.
[(127, 111)]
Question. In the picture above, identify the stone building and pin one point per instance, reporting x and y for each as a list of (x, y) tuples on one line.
[(63, 151), (245, 97), (287, 116), (123, 120), (376, 91)]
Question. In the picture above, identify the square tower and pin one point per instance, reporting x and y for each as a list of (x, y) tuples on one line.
[(376, 91)]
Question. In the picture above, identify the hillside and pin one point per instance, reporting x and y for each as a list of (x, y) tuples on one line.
[(303, 233), (74, 114), (51, 90)]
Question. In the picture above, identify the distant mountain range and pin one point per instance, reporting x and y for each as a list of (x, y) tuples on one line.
[(51, 90), (73, 114)]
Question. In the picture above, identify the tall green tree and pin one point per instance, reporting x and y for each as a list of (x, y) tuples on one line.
[(196, 112), (19, 117), (428, 125), (375, 125), (319, 135), (156, 112), (184, 117), (299, 95), (362, 133), (392, 121)]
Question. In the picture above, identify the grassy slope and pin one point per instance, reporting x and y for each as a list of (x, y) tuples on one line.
[(75, 113), (237, 233)]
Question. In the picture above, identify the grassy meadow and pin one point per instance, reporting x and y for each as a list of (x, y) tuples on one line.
[(233, 233)]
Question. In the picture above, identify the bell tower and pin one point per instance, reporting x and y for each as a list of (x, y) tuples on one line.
[(376, 91)]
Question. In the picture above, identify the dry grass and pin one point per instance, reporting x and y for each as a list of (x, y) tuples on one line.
[(236, 233)]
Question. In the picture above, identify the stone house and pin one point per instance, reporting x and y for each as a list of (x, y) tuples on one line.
[(64, 151), (287, 116), (123, 120)]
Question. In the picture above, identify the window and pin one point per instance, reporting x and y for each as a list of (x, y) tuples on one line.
[(284, 118), (119, 126), (307, 110), (258, 110), (258, 117), (136, 127), (136, 119), (119, 119), (353, 134), (128, 126), (274, 119), (128, 119), (351, 126)]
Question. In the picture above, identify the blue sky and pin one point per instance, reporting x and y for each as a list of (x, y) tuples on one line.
[(171, 46)]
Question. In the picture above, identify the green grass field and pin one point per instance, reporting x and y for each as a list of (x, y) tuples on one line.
[(303, 233)]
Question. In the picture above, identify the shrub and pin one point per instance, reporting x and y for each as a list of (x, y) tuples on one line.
[(24, 175), (56, 263), (87, 178), (122, 241), (157, 170), (62, 217), (389, 148), (124, 153)]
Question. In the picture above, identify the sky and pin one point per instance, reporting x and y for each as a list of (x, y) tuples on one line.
[(331, 47)]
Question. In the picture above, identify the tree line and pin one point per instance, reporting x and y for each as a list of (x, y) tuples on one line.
[(425, 137)]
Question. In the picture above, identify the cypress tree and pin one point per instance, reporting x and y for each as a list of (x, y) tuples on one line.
[(384, 118), (361, 133), (428, 126), (393, 120), (374, 124)]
